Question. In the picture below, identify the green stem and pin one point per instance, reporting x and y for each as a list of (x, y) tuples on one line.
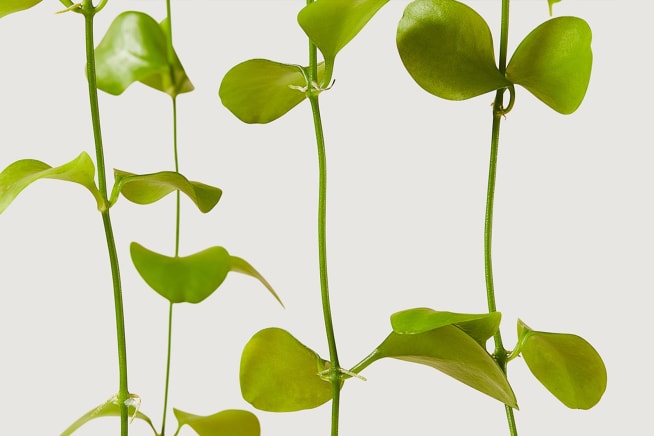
[(123, 392)]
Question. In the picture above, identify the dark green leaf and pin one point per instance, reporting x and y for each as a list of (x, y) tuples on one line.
[(567, 365), (10, 6), (479, 326), (110, 408), (148, 188), (280, 374), (135, 49), (22, 173), (554, 62), (225, 423), (448, 49)]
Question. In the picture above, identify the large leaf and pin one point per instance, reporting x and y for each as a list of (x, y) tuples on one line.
[(448, 49), (279, 374), (554, 62), (451, 351), (225, 423), (260, 91), (193, 278), (567, 365), (135, 49), (332, 24), (22, 173), (110, 408), (148, 188), (10, 6), (479, 326)]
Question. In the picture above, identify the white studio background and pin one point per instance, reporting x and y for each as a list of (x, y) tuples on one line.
[(407, 180)]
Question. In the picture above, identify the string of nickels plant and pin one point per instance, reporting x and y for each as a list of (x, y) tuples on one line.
[(500, 354)]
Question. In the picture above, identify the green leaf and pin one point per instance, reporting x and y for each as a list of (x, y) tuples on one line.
[(554, 62), (148, 188), (135, 49), (241, 266), (260, 91), (453, 352), (448, 49), (279, 374), (567, 365), (110, 408), (22, 173), (225, 423), (479, 326), (332, 24), (10, 6)]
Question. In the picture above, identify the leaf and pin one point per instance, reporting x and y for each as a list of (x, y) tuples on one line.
[(148, 188), (567, 365), (332, 24), (554, 63), (110, 408), (448, 49), (22, 173), (260, 91), (225, 423), (135, 49), (451, 351), (241, 266), (10, 6), (279, 374), (479, 326)]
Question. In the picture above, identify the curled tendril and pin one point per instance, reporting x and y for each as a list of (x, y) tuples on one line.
[(505, 110)]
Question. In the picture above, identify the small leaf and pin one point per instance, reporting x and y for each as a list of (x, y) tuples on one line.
[(135, 49), (567, 365), (279, 374), (240, 265), (332, 24), (148, 188), (479, 326), (110, 408), (554, 63), (22, 173), (225, 423), (10, 6), (448, 49)]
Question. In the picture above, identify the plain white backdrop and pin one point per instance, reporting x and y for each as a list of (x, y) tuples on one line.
[(407, 180)]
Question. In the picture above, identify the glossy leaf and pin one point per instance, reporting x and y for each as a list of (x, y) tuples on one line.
[(448, 49), (149, 188), (22, 173), (134, 49), (280, 374), (260, 91), (567, 365), (332, 24), (110, 408), (479, 326), (554, 62), (10, 6), (225, 423), (190, 279), (453, 352)]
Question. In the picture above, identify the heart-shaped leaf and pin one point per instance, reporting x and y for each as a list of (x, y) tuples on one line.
[(332, 24), (479, 326), (135, 49), (22, 173), (554, 62), (148, 188), (10, 6), (451, 351), (567, 365), (448, 49), (280, 374), (225, 423), (110, 408)]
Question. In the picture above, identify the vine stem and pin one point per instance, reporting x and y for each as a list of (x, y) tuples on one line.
[(89, 11)]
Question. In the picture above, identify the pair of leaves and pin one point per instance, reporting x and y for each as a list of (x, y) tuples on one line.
[(190, 279), (10, 6), (260, 91), (447, 48), (135, 49)]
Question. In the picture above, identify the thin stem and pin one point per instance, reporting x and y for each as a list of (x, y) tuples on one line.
[(123, 392), (168, 354)]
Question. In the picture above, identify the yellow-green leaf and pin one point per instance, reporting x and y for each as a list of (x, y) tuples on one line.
[(10, 6), (225, 423)]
